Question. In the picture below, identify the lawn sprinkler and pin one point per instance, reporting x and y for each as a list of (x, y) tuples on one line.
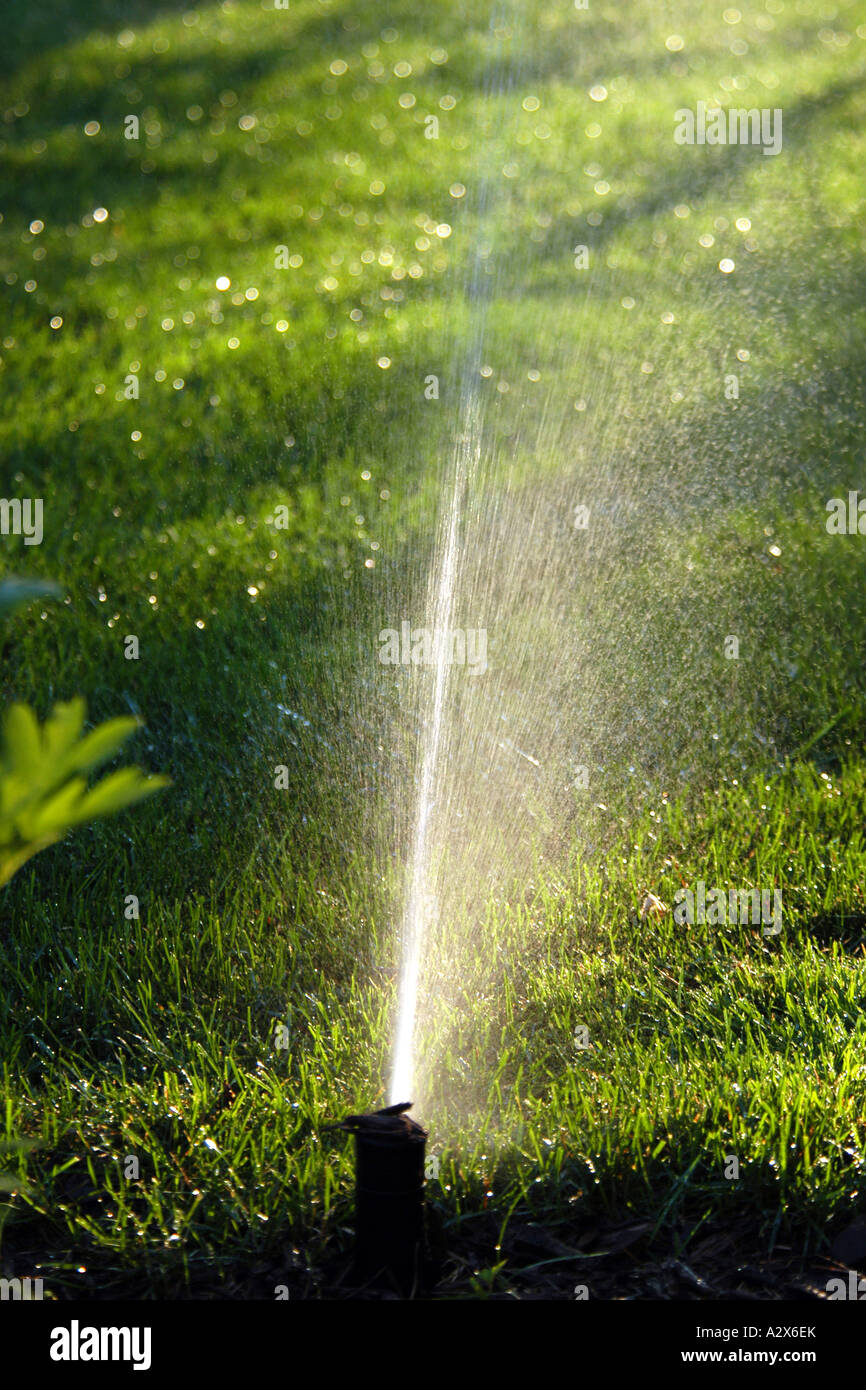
[(389, 1197)]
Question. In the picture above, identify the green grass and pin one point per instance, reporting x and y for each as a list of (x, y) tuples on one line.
[(156, 1037), (157, 1040)]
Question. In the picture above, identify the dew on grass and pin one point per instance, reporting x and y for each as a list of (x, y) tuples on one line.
[(510, 565)]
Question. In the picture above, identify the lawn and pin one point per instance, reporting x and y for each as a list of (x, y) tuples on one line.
[(217, 347)]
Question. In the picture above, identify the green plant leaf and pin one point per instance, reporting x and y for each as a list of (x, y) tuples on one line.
[(43, 793), (14, 593), (22, 746), (11, 860), (118, 790), (52, 817), (100, 745), (62, 727)]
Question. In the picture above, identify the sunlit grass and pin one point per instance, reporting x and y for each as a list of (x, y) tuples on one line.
[(155, 1038), (702, 1043)]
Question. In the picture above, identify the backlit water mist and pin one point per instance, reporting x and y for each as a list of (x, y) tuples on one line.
[(510, 761), (600, 512), (421, 903), (419, 906)]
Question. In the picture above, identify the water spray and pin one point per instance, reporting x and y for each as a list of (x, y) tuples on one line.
[(444, 590), (389, 1145), (389, 1198)]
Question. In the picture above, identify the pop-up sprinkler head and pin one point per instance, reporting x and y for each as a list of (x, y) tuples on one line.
[(389, 1196)]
